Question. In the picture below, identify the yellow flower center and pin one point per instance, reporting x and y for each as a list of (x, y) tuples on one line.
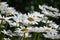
[(24, 29), (9, 13), (38, 16), (20, 22), (2, 19), (30, 19), (47, 30)]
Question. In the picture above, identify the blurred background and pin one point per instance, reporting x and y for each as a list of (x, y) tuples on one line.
[(25, 6)]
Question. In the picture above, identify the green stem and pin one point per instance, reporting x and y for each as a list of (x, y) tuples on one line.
[(39, 36), (21, 39), (25, 39), (35, 34)]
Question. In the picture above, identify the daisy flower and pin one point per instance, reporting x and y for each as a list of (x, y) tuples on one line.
[(30, 19), (23, 32), (38, 16), (50, 8), (52, 34), (10, 11), (3, 6), (8, 32), (19, 19), (4, 19), (6, 38)]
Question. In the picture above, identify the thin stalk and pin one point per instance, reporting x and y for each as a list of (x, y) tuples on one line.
[(39, 36), (35, 34)]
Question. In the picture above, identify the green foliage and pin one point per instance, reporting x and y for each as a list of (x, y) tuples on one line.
[(25, 5)]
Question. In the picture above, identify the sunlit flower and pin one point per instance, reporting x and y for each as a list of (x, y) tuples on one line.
[(23, 32), (3, 6), (38, 15), (29, 19), (4, 19), (10, 11), (55, 26), (9, 32), (50, 8), (47, 29), (52, 34), (6, 38)]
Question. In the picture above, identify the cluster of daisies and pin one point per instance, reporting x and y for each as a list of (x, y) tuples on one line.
[(13, 23)]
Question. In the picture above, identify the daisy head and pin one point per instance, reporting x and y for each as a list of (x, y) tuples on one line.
[(30, 19)]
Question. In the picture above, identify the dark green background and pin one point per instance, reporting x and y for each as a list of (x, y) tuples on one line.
[(21, 5)]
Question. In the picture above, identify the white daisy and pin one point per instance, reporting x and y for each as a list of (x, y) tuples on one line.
[(19, 19), (50, 8), (47, 29), (23, 32), (52, 34), (4, 19), (54, 25), (10, 11), (30, 19), (38, 16), (9, 32), (3, 6), (6, 39)]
